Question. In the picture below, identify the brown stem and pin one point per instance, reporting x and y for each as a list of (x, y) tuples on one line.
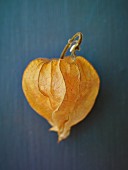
[(74, 47)]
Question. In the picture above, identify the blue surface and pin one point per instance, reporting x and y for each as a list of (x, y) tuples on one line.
[(41, 28)]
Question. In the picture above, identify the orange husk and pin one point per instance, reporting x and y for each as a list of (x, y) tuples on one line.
[(63, 91)]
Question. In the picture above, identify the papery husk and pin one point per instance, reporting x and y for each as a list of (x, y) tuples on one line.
[(63, 91)]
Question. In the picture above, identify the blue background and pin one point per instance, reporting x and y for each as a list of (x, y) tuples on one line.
[(41, 28)]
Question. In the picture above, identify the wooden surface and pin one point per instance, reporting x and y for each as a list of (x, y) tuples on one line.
[(41, 28)]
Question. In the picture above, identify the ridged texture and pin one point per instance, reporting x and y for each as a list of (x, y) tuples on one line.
[(63, 91)]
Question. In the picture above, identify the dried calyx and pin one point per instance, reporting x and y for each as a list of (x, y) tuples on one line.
[(63, 90)]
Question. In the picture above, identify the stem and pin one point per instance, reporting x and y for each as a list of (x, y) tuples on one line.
[(74, 47)]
